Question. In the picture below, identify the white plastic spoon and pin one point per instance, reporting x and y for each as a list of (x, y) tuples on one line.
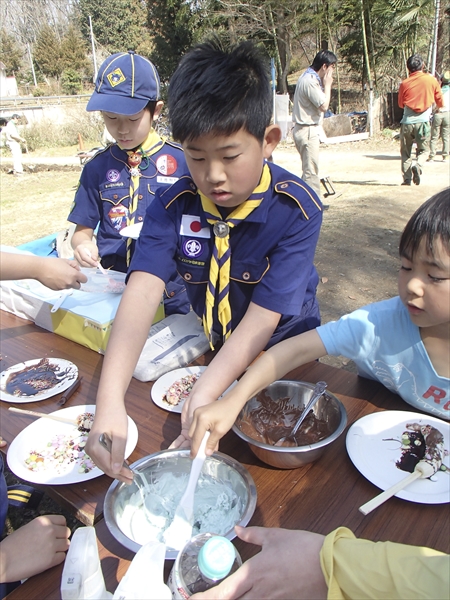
[(423, 470), (180, 530), (61, 299)]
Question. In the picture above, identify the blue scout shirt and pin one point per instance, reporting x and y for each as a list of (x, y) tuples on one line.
[(103, 197), (272, 250), (103, 194), (5, 588)]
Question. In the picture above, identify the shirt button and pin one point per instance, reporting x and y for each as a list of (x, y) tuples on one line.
[(140, 196), (187, 276), (246, 276), (115, 196), (284, 185), (140, 218), (172, 294)]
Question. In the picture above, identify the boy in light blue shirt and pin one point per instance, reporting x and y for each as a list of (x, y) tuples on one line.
[(403, 342)]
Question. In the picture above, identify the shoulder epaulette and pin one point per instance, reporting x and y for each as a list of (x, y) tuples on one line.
[(184, 185), (300, 193), (173, 144)]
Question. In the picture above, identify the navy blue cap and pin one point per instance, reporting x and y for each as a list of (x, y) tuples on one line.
[(125, 83)]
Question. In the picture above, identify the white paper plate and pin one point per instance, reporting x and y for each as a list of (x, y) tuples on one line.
[(373, 444), (132, 231), (67, 371), (162, 384), (34, 437)]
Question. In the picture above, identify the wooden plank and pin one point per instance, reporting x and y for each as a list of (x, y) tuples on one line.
[(353, 137)]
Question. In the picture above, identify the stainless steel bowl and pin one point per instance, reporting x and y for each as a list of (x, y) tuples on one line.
[(299, 392), (219, 466)]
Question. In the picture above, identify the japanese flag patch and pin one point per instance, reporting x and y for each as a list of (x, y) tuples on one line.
[(191, 226)]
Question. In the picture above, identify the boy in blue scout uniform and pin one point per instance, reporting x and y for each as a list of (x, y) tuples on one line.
[(241, 231), (119, 183)]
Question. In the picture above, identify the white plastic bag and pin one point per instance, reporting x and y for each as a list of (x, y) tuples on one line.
[(173, 342)]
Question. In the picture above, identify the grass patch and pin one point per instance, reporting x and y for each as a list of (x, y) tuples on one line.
[(35, 205)]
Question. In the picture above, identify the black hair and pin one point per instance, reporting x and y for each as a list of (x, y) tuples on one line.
[(150, 106), (220, 91), (324, 57), (431, 221), (414, 63)]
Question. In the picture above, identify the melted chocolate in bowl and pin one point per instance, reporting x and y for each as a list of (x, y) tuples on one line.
[(34, 379), (272, 419)]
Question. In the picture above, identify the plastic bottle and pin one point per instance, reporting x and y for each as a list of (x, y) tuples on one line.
[(144, 578), (202, 564), (82, 577)]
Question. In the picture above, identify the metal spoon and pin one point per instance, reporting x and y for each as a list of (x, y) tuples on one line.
[(106, 442), (317, 393)]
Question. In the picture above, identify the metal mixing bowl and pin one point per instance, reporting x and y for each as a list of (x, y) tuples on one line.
[(328, 408), (219, 466)]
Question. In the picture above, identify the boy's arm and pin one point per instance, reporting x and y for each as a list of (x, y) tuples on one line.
[(242, 347), (134, 317), (84, 247), (55, 273), (219, 417)]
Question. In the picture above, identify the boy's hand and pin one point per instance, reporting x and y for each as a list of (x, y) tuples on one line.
[(34, 548), (60, 273), (86, 254), (115, 424), (217, 418), (194, 401)]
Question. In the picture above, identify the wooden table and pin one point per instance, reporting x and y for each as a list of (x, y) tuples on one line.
[(319, 497)]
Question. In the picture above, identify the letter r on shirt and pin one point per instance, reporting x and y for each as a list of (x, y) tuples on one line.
[(436, 393)]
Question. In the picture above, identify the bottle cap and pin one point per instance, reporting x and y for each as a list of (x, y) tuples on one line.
[(216, 557)]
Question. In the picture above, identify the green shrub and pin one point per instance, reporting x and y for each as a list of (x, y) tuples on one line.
[(71, 82), (37, 91)]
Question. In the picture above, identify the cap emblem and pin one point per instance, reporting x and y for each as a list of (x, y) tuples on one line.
[(116, 77)]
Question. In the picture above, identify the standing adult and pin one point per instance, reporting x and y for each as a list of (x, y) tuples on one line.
[(311, 101), (416, 96), (13, 140), (441, 121)]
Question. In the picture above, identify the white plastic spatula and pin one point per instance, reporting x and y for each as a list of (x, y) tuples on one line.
[(180, 530)]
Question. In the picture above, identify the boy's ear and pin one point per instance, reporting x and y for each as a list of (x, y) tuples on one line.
[(158, 109), (272, 137)]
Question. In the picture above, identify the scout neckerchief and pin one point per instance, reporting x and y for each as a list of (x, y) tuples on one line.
[(310, 71), (219, 270), (138, 161)]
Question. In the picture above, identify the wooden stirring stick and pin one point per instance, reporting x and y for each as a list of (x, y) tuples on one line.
[(33, 413), (423, 469)]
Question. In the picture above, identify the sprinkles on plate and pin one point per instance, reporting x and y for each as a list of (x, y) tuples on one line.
[(61, 453)]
